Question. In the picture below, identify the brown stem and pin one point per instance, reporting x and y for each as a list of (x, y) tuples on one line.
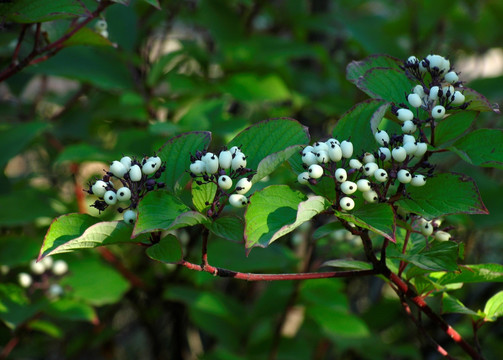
[(7, 349), (18, 46)]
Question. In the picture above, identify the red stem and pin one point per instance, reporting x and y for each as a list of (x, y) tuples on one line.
[(215, 271), (9, 347)]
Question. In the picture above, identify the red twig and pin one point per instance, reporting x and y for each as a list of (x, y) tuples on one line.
[(7, 349), (18, 46), (204, 248), (215, 271)]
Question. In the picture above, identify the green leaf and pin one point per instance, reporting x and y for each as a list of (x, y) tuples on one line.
[(442, 256), (95, 282), (471, 274), (87, 36), (356, 69), (478, 102), (272, 161), (378, 218), (81, 231), (338, 323), (355, 124), (176, 153), (154, 3), (387, 84), (203, 194), (453, 126), (454, 305), (444, 194), (34, 11), (483, 147), (168, 250), (14, 139), (18, 249), (348, 264), (123, 2), (46, 327), (494, 307), (253, 87), (159, 210), (70, 309), (228, 227), (83, 152), (275, 211), (25, 206), (15, 307), (268, 137)]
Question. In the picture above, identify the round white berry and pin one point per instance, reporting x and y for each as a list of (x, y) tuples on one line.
[(346, 203), (99, 188), (238, 161), (238, 200), (110, 197), (315, 171), (332, 141), (335, 152), (319, 146), (47, 261), (235, 150), (225, 159), (348, 187), (370, 196), (451, 77), (341, 175), (411, 60), (404, 114), (347, 149), (418, 180), (442, 236), (355, 164), (370, 168), (448, 90), (60, 267), (118, 169), (457, 98), (410, 148), (309, 158), (135, 173), (123, 194), (408, 138), (399, 154), (381, 137), (303, 178), (426, 228), (363, 185), (368, 158), (438, 112), (129, 216), (419, 90), (307, 149), (243, 186), (149, 167), (408, 127), (384, 153), (224, 182), (421, 149), (37, 267), (404, 176), (126, 161), (433, 95), (414, 100), (381, 175), (25, 280), (211, 162), (422, 66), (100, 25), (322, 157), (55, 290)]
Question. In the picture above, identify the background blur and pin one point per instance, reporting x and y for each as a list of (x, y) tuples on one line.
[(218, 65)]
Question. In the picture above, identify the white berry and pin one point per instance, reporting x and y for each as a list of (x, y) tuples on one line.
[(381, 175), (433, 95), (243, 186), (149, 167), (348, 187), (129, 216), (426, 228), (322, 157), (118, 169), (414, 100), (399, 154), (309, 158), (410, 148), (418, 180), (457, 98), (355, 164), (238, 161), (211, 162), (320, 146), (335, 152), (384, 152), (347, 149), (100, 25), (451, 77), (418, 89), (60, 267), (363, 185), (135, 173), (408, 127), (404, 114), (25, 280), (408, 138), (370, 168), (110, 197), (126, 161), (99, 188), (368, 158), (315, 171), (347, 203), (370, 196), (303, 178), (404, 176), (381, 137), (224, 182), (332, 141), (238, 200), (123, 194), (421, 149), (341, 175), (37, 267), (225, 159), (442, 236), (438, 112)]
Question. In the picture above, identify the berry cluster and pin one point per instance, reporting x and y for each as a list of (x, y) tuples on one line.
[(136, 178), (41, 274), (431, 228), (223, 169)]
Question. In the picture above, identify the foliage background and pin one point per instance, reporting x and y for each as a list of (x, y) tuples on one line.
[(219, 66)]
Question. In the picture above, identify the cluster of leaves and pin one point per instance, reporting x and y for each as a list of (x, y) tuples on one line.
[(128, 98)]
